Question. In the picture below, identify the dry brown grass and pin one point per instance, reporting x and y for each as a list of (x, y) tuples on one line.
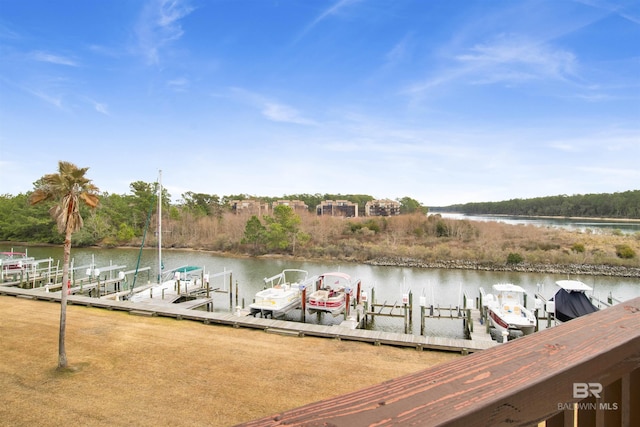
[(129, 370), (426, 239)]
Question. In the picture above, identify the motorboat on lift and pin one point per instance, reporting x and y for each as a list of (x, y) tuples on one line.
[(506, 310), (331, 294), (282, 293), (570, 301)]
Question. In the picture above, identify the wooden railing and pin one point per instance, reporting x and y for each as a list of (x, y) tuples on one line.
[(586, 371)]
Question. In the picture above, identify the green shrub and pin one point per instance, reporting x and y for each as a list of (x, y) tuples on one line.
[(578, 248), (441, 229), (625, 252), (514, 258)]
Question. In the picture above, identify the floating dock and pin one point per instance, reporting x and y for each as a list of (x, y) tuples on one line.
[(463, 346)]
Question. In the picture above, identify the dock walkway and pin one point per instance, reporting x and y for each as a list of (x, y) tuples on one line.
[(269, 325)]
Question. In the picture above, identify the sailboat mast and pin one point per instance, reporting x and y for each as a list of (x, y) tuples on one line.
[(159, 226)]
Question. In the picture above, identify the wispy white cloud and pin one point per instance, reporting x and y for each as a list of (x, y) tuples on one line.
[(159, 26), (628, 9), (331, 11), (100, 107), (284, 113), (53, 59), (398, 52), (180, 84), (507, 59), (611, 140), (54, 100), (8, 33), (513, 58), (271, 109)]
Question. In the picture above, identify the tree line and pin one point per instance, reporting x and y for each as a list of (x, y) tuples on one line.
[(604, 205), (121, 219)]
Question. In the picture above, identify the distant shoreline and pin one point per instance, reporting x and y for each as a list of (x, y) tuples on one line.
[(580, 218), (572, 269)]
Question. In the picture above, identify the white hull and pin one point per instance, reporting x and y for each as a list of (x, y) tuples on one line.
[(509, 322), (319, 301), (506, 312), (277, 302), (331, 294), (282, 296)]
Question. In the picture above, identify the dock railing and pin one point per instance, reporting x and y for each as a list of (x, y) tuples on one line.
[(585, 372)]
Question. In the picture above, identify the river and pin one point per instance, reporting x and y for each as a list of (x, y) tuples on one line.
[(594, 225), (439, 286)]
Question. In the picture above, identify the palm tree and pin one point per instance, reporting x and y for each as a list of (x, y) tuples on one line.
[(68, 188)]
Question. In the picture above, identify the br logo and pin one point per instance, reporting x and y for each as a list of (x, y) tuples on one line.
[(584, 390)]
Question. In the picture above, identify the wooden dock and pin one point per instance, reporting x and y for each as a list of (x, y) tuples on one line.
[(463, 346)]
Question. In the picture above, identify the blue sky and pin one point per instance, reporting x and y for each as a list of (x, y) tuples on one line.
[(443, 101)]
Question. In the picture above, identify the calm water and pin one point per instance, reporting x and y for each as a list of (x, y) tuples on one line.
[(438, 286), (594, 225)]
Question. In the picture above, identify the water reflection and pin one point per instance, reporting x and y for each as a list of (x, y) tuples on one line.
[(438, 286)]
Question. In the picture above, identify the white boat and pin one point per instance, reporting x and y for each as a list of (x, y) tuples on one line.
[(332, 291), (282, 293), (570, 301), (506, 310)]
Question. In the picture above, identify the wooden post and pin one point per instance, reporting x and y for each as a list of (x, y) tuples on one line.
[(406, 318), (303, 313), (347, 303), (358, 294), (236, 293), (373, 303), (422, 320), (410, 307)]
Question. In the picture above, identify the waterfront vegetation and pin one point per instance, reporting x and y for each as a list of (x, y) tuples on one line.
[(604, 205), (205, 222)]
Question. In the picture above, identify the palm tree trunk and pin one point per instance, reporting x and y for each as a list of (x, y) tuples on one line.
[(62, 353)]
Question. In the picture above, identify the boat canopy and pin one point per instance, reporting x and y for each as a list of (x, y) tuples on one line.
[(573, 285), (337, 274), (570, 305), (508, 287), (186, 269)]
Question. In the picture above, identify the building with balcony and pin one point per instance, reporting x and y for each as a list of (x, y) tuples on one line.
[(249, 207), (383, 207), (342, 208)]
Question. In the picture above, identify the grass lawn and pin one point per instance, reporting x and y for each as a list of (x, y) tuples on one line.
[(131, 370)]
